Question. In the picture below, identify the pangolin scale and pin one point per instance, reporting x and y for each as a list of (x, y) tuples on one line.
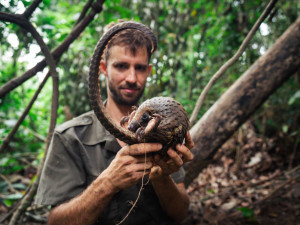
[(171, 119), (170, 116)]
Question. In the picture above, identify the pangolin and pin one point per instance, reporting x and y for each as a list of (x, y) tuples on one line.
[(159, 119)]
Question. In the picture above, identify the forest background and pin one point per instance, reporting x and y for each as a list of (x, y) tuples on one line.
[(195, 39)]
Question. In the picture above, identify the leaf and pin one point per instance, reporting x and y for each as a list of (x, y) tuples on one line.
[(8, 202), (10, 165), (15, 196), (247, 212), (33, 179), (285, 128), (19, 186), (294, 97), (211, 191), (194, 13), (3, 186)]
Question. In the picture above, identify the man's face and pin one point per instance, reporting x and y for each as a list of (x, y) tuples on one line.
[(126, 74)]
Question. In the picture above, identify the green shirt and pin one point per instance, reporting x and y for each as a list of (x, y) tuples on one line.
[(80, 150)]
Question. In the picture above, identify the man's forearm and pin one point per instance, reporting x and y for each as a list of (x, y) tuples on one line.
[(86, 207), (172, 197)]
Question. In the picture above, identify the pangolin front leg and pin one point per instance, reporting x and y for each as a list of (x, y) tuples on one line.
[(127, 119), (152, 124)]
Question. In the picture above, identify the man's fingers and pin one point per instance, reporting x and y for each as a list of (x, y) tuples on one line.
[(140, 167), (158, 160), (175, 157), (139, 149), (128, 159), (188, 141), (187, 155), (168, 167)]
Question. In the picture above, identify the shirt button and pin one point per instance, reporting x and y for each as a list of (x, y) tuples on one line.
[(86, 119)]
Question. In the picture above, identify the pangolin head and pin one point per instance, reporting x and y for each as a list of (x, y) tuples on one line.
[(141, 118)]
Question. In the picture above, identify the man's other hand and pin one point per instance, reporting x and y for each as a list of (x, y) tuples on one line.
[(177, 159), (130, 165)]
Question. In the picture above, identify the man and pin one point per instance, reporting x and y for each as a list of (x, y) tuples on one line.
[(92, 178)]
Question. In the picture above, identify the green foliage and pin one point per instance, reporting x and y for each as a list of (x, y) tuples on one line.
[(247, 212), (294, 98), (9, 165), (9, 200)]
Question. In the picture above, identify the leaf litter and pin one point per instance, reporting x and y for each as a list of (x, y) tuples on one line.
[(252, 180)]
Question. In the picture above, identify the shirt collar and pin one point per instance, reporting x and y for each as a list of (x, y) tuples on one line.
[(96, 134)]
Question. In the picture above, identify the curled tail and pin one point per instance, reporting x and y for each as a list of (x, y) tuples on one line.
[(94, 85)]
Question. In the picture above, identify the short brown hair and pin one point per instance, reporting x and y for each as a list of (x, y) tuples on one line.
[(131, 38)]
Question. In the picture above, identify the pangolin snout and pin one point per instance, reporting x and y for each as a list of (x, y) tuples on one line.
[(133, 126)]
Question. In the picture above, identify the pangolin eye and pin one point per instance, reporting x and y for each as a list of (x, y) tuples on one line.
[(145, 117)]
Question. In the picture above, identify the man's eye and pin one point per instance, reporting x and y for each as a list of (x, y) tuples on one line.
[(121, 66), (141, 68)]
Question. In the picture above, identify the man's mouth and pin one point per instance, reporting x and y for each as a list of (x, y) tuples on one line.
[(130, 90)]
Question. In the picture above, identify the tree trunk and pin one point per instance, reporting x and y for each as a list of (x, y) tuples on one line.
[(243, 98)]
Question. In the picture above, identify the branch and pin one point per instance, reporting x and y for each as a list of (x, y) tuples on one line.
[(56, 53), (24, 23), (35, 134), (49, 58), (26, 201), (231, 61), (15, 82), (17, 19), (83, 12), (10, 186), (28, 12), (243, 98), (7, 215), (24, 114), (202, 36)]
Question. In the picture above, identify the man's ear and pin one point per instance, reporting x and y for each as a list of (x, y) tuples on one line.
[(103, 67)]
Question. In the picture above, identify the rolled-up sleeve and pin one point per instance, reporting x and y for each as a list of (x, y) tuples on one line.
[(63, 176), (178, 176)]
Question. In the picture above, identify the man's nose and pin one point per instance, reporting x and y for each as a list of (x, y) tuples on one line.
[(131, 76)]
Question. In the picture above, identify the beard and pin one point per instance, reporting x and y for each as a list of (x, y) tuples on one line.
[(119, 99)]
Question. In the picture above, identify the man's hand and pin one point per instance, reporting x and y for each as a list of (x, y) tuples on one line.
[(177, 159), (129, 165)]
